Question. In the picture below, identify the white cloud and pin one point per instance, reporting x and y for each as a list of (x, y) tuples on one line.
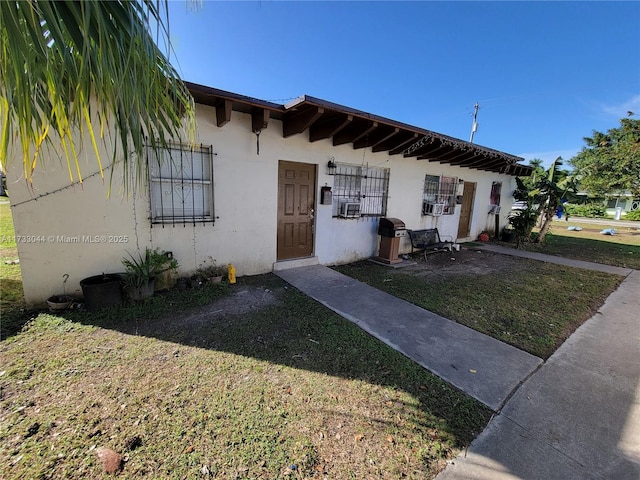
[(548, 157), (620, 110)]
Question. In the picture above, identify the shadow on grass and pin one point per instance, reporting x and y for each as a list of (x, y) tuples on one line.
[(286, 327), (12, 316)]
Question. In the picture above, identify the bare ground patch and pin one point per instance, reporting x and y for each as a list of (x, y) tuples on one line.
[(466, 262)]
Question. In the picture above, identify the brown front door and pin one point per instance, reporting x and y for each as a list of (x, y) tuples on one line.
[(469, 193), (296, 208)]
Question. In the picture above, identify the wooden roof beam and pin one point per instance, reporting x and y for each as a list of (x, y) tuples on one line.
[(432, 145), (495, 165), (259, 119), (298, 121), (396, 143), (354, 132), (381, 134), (432, 154), (458, 157), (223, 112), (486, 164), (329, 128), (473, 162)]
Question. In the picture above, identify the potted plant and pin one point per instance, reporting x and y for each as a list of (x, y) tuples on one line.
[(60, 302), (208, 272), (141, 272)]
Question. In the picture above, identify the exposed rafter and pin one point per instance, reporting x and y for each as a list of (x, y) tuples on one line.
[(298, 121), (381, 134), (395, 142), (223, 112), (354, 132), (259, 119), (328, 128)]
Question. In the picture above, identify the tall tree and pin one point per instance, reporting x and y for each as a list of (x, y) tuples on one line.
[(89, 67), (610, 162)]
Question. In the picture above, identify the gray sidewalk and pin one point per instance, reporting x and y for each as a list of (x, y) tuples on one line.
[(578, 416), (481, 366)]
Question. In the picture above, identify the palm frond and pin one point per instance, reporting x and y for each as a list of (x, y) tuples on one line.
[(88, 67)]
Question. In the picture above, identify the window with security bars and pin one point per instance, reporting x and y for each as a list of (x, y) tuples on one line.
[(360, 191), (181, 184), (439, 195)]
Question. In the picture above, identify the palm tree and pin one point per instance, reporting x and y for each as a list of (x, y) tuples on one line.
[(92, 68)]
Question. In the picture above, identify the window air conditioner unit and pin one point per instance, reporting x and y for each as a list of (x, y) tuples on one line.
[(349, 210), (433, 209), (494, 209)]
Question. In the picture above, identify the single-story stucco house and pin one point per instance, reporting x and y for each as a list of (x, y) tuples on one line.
[(269, 184)]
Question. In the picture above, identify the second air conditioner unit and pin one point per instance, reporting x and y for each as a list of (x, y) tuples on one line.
[(433, 209)]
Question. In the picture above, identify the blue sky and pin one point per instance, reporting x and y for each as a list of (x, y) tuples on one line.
[(545, 74)]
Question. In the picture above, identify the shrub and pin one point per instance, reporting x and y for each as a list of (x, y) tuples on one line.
[(589, 210), (633, 215), (522, 222)]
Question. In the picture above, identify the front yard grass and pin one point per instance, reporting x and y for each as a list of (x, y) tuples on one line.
[(588, 244), (11, 296), (290, 390), (534, 307)]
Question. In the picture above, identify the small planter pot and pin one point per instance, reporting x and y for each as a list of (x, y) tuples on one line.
[(59, 302), (138, 294), (215, 280)]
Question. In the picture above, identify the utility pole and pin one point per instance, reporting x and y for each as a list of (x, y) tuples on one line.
[(474, 125)]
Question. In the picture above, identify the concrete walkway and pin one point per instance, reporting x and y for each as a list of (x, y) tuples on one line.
[(481, 366), (575, 417)]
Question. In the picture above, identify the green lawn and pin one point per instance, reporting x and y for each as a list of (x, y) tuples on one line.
[(620, 250), (11, 296), (287, 390)]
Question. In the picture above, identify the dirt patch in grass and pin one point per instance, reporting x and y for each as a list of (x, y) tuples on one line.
[(467, 262), (241, 300)]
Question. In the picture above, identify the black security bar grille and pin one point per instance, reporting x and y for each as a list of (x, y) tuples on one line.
[(360, 191), (181, 184)]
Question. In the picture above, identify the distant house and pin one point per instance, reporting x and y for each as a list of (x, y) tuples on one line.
[(624, 201), (300, 183)]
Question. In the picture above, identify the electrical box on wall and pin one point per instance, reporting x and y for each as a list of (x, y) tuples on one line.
[(325, 196)]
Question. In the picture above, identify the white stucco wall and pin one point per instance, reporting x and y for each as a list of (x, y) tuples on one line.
[(245, 196)]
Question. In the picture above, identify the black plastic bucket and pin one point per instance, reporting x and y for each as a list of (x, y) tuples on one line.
[(102, 291)]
